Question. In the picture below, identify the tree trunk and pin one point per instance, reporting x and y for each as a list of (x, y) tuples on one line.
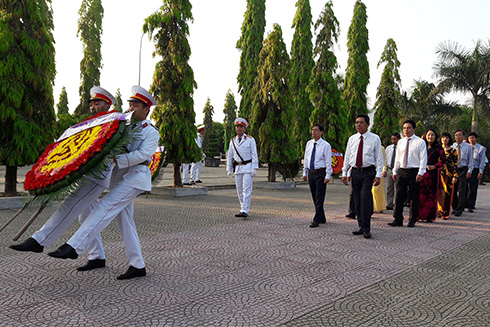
[(177, 176), (272, 172), (474, 120), (11, 180)]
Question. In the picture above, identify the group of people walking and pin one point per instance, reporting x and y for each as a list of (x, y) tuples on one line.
[(429, 174)]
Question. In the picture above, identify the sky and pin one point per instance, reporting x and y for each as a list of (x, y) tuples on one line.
[(417, 26)]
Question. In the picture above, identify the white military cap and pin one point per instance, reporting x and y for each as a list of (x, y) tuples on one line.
[(98, 93), (142, 95), (241, 121)]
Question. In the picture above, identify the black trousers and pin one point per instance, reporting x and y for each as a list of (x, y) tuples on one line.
[(362, 183), (406, 183), (459, 199), (473, 188), (318, 189)]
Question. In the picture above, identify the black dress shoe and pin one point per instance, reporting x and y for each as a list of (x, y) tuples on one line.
[(92, 264), (395, 224), (471, 210), (458, 214), (358, 232), (389, 208), (314, 224), (241, 214), (28, 245), (411, 224), (132, 272), (351, 216), (186, 184), (367, 235), (199, 181), (64, 252)]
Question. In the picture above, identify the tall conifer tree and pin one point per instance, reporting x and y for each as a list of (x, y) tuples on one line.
[(301, 65), (27, 71), (324, 90), (250, 44), (272, 116), (119, 102), (64, 119), (208, 112), (357, 72), (173, 83), (230, 116), (89, 30), (386, 119)]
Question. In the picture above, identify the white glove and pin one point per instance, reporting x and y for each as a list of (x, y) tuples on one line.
[(254, 172), (230, 175)]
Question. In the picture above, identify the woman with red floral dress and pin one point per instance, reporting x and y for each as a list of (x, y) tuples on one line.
[(429, 186)]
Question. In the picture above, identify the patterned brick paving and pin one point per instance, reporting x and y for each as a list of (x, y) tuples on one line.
[(208, 268)]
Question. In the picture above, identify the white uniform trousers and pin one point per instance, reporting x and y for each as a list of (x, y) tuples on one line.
[(196, 171), (185, 173), (117, 203), (244, 185), (79, 203)]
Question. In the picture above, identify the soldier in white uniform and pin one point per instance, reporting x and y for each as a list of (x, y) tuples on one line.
[(131, 176), (78, 204), (242, 154), (197, 166)]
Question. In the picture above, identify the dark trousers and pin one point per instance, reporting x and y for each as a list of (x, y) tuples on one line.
[(406, 183), (473, 188), (352, 203), (318, 188), (362, 183), (459, 199)]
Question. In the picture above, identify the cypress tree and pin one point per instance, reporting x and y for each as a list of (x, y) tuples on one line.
[(324, 89), (64, 119), (27, 71), (301, 65), (173, 83), (89, 30), (386, 115), (62, 106), (272, 114), (250, 44), (357, 72), (208, 112), (230, 116), (119, 102)]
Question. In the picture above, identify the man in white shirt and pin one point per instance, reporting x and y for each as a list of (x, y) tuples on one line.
[(196, 167), (131, 176), (78, 203), (388, 171), (410, 167), (317, 170), (465, 169), (363, 167), (244, 162), (479, 159)]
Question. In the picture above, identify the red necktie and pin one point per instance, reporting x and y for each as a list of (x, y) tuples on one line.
[(359, 154), (405, 155)]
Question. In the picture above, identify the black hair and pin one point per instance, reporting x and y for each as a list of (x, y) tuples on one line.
[(436, 142), (320, 127), (473, 134), (411, 122), (446, 134), (366, 117), (460, 130), (397, 135)]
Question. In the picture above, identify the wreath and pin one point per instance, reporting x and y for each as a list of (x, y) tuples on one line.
[(86, 148), (337, 162), (156, 162)]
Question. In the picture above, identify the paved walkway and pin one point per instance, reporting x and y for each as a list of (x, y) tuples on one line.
[(208, 268)]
